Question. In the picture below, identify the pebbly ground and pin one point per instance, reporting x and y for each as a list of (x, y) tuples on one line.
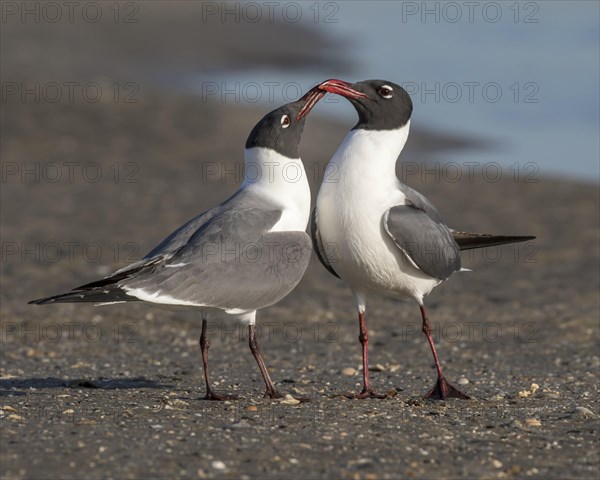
[(113, 392)]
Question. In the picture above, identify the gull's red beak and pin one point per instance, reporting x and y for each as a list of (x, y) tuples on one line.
[(332, 85), (340, 87)]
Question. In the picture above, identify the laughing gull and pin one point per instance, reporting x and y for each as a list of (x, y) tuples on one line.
[(242, 255), (376, 233)]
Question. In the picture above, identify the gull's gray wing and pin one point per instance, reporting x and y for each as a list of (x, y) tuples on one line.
[(225, 258), (318, 243), (419, 231), (232, 262)]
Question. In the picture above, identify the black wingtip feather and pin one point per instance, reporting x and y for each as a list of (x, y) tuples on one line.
[(95, 295), (467, 241)]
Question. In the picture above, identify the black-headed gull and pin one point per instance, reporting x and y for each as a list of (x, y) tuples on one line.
[(242, 255), (376, 233)]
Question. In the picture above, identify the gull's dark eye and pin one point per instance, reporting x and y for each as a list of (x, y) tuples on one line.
[(285, 121), (385, 91)]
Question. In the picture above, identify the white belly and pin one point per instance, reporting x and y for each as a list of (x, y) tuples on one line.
[(361, 252)]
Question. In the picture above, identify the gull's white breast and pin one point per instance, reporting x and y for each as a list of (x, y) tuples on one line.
[(361, 187)]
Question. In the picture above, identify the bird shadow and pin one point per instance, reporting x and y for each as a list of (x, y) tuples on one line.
[(12, 386)]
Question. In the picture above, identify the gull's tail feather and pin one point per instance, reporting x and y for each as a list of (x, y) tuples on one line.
[(467, 241)]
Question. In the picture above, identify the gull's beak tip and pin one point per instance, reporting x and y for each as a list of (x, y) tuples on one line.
[(310, 99)]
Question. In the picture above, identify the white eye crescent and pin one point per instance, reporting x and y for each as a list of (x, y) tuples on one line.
[(285, 121), (385, 91)]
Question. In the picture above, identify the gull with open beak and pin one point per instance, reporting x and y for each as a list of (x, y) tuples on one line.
[(387, 238)]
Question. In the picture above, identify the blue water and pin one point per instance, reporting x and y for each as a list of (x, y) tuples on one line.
[(527, 81)]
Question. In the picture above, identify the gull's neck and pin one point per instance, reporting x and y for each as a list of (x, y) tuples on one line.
[(371, 154), (280, 179)]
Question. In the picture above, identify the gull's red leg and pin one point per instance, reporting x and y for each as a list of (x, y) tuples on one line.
[(254, 347), (442, 389), (363, 337)]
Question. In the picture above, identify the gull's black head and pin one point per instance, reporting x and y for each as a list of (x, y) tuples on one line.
[(279, 130), (383, 105)]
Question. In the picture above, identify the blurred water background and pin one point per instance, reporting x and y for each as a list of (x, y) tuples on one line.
[(516, 81), (522, 76)]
